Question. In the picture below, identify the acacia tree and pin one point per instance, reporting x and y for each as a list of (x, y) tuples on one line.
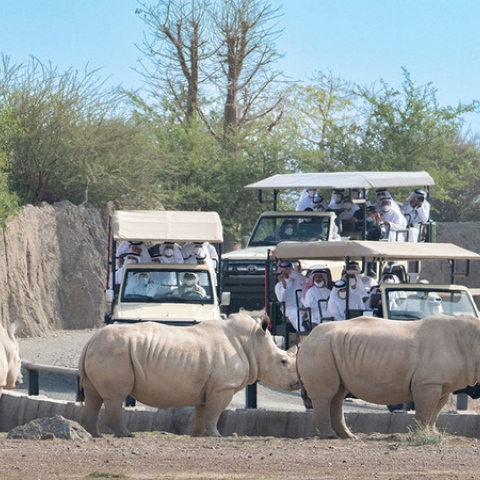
[(177, 46), (212, 53)]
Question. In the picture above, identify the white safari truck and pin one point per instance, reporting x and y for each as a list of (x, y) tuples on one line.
[(166, 301), (243, 271)]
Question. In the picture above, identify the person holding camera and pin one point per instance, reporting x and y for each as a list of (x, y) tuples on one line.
[(417, 211)]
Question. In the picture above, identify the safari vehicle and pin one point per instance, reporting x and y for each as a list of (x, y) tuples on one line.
[(244, 270), (409, 300), (165, 300)]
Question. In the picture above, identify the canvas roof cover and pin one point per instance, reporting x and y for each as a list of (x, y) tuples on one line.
[(161, 225), (371, 250), (333, 180)]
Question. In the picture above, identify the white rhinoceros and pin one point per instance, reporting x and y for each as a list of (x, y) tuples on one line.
[(170, 366), (387, 362), (10, 363)]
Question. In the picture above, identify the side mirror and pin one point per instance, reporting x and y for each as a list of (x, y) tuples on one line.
[(225, 300)]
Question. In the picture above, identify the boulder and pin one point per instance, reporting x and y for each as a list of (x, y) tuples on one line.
[(50, 428)]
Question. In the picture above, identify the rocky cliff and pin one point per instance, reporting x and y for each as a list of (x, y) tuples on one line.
[(53, 260)]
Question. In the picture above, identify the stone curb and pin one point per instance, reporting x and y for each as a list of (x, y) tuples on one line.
[(17, 409)]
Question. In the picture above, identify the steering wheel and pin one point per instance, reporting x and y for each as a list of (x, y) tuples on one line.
[(192, 295)]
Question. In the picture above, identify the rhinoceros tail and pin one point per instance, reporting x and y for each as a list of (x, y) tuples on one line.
[(81, 375)]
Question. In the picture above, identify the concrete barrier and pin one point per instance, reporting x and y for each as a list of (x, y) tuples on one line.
[(17, 409)]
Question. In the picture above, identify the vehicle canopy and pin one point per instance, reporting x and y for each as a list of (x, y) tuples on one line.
[(163, 225), (345, 180), (374, 251), (371, 251)]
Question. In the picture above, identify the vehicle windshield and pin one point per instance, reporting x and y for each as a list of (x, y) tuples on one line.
[(410, 304), (271, 230), (167, 286)]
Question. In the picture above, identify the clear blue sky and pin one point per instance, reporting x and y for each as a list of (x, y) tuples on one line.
[(362, 41)]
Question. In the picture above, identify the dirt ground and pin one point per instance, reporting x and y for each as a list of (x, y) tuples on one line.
[(166, 456)]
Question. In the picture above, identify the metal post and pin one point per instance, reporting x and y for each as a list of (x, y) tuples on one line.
[(462, 401), (33, 382), (251, 396), (79, 394)]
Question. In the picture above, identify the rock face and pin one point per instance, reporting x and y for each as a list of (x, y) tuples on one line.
[(50, 428), (54, 264)]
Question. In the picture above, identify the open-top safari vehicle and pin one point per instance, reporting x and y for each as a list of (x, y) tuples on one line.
[(165, 300), (244, 270)]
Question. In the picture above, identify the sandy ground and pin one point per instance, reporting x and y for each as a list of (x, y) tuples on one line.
[(159, 455), (156, 455)]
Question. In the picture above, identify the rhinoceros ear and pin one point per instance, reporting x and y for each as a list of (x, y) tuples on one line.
[(292, 351), (265, 322)]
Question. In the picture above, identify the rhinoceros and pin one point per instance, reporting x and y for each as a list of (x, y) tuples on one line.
[(387, 362), (202, 365), (10, 363)]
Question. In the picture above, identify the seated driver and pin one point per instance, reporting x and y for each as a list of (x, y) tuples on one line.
[(190, 285)]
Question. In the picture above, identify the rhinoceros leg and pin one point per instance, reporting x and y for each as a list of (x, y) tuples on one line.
[(429, 400), (114, 416), (321, 417), (337, 415), (93, 403), (199, 427), (215, 403)]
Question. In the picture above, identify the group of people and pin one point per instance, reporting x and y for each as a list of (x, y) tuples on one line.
[(193, 253), (385, 218), (299, 294), (148, 284)]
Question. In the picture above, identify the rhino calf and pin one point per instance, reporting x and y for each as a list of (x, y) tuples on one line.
[(169, 366), (10, 363), (387, 362)]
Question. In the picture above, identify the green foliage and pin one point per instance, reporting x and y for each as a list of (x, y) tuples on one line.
[(73, 140), (8, 200), (199, 174)]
